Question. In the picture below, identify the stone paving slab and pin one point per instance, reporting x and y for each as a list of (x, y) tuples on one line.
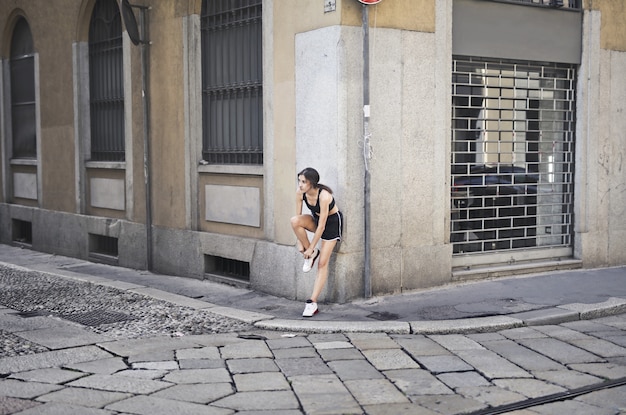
[(375, 391), (303, 366), (55, 408), (143, 346), (531, 388), (259, 401), (253, 365), (573, 407), (491, 365), (210, 352), (492, 395), (398, 409), (149, 405), (456, 380), (101, 366), (50, 375), (262, 381), (198, 376), (63, 336), (354, 369), (201, 393), (246, 349), (84, 397), (55, 358), (569, 379), (416, 382), (389, 359), (27, 390), (560, 351), (120, 384), (324, 394), (442, 364), (616, 397), (521, 356), (10, 405)]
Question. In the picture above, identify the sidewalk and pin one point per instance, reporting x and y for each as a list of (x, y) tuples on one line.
[(549, 298)]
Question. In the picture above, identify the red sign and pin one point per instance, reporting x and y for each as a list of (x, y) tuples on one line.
[(370, 1)]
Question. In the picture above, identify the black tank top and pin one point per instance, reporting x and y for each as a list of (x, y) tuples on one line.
[(316, 209)]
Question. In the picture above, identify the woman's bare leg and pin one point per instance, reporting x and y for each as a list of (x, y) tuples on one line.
[(300, 224), (322, 268)]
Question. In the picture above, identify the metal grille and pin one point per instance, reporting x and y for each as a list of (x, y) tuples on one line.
[(104, 245), (569, 4), (232, 82), (512, 155), (106, 82), (23, 110)]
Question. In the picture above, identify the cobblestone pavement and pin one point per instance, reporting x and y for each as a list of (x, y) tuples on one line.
[(71, 347)]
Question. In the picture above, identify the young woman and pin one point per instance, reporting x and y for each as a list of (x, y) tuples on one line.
[(325, 223)]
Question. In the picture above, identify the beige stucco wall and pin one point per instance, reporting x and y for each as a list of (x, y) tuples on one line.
[(166, 115), (414, 15), (613, 12)]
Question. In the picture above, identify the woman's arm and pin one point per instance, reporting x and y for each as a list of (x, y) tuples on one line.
[(299, 196)]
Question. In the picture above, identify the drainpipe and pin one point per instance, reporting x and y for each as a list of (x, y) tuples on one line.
[(367, 278), (146, 135)]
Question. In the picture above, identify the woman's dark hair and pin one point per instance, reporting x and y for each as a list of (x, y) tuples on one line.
[(314, 178)]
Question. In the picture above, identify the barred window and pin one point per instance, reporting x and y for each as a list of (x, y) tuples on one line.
[(232, 82), (568, 4), (106, 82), (23, 111)]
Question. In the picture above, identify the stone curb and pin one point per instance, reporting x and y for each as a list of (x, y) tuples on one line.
[(609, 307), (316, 326), (466, 325)]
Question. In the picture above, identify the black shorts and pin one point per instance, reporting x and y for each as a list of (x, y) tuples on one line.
[(334, 226)]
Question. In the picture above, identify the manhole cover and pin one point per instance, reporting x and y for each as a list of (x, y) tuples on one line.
[(383, 316), (97, 317)]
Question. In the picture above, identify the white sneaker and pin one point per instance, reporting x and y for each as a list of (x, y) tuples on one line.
[(308, 263), (310, 309)]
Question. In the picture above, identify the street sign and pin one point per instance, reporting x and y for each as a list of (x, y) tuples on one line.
[(370, 1)]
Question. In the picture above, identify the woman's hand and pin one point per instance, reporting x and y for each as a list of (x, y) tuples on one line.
[(309, 252)]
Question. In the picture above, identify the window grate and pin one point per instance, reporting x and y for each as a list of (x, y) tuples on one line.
[(22, 232), (106, 83), (232, 82), (103, 245), (227, 267), (512, 155)]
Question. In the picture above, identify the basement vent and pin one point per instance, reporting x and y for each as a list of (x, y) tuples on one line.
[(227, 267), (103, 247), (22, 232)]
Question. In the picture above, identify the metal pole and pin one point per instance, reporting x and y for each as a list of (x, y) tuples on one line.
[(367, 278), (146, 135)]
